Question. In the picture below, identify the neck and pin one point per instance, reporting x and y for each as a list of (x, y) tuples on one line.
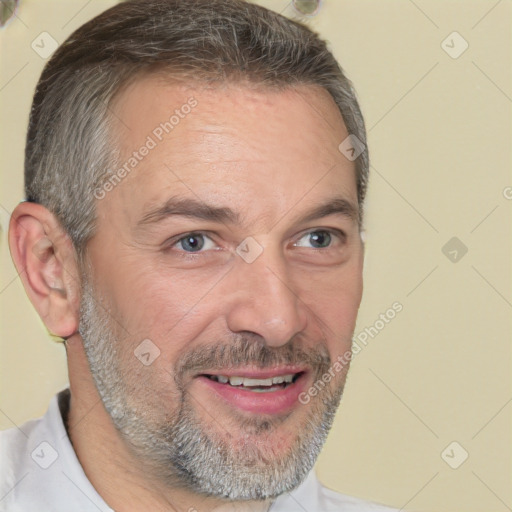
[(118, 477)]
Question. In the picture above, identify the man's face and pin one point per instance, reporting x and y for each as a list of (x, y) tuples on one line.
[(239, 165)]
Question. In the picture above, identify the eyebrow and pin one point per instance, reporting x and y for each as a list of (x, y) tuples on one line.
[(195, 209)]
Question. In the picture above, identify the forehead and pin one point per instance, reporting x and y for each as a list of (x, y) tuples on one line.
[(228, 143)]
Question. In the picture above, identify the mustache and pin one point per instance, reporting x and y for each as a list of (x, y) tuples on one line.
[(245, 350)]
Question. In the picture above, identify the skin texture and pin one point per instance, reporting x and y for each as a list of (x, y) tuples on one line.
[(270, 156)]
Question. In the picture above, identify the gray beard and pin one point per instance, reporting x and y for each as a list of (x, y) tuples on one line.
[(175, 447)]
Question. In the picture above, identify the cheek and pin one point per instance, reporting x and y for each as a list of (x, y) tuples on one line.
[(336, 319), (160, 298), (334, 299), (171, 309)]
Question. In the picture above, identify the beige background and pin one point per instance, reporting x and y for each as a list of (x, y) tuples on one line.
[(439, 133)]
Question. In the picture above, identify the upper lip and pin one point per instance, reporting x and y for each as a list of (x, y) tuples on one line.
[(256, 373)]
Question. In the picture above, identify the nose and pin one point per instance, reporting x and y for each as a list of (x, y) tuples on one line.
[(264, 301)]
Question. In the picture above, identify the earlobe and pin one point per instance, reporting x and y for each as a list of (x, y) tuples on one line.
[(46, 263)]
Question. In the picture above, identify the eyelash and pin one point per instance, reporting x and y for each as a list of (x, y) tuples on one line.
[(339, 234)]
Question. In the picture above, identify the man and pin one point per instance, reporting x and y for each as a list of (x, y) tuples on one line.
[(195, 176)]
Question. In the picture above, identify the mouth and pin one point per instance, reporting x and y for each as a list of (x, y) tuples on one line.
[(260, 385), (264, 392)]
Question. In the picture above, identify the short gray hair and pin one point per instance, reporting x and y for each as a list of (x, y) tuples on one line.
[(69, 144)]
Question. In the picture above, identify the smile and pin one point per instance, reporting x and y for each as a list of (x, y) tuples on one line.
[(257, 385), (270, 392)]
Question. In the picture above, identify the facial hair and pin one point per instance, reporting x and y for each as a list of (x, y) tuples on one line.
[(175, 446)]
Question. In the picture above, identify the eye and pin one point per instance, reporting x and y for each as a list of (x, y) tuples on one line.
[(194, 242), (319, 239)]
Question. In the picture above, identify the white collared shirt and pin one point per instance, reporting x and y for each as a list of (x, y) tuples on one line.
[(40, 472)]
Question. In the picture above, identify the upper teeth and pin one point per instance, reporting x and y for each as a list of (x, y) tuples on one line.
[(244, 381)]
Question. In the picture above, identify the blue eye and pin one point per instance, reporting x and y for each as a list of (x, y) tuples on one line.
[(317, 239), (195, 242)]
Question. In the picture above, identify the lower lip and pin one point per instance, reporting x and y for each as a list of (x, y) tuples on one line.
[(271, 402)]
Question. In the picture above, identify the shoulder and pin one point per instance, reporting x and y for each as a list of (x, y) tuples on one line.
[(14, 442), (315, 497), (15, 447), (40, 470), (333, 500)]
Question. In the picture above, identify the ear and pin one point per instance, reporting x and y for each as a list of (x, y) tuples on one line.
[(46, 262)]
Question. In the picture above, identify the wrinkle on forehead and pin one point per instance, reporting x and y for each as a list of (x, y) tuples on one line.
[(237, 142)]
